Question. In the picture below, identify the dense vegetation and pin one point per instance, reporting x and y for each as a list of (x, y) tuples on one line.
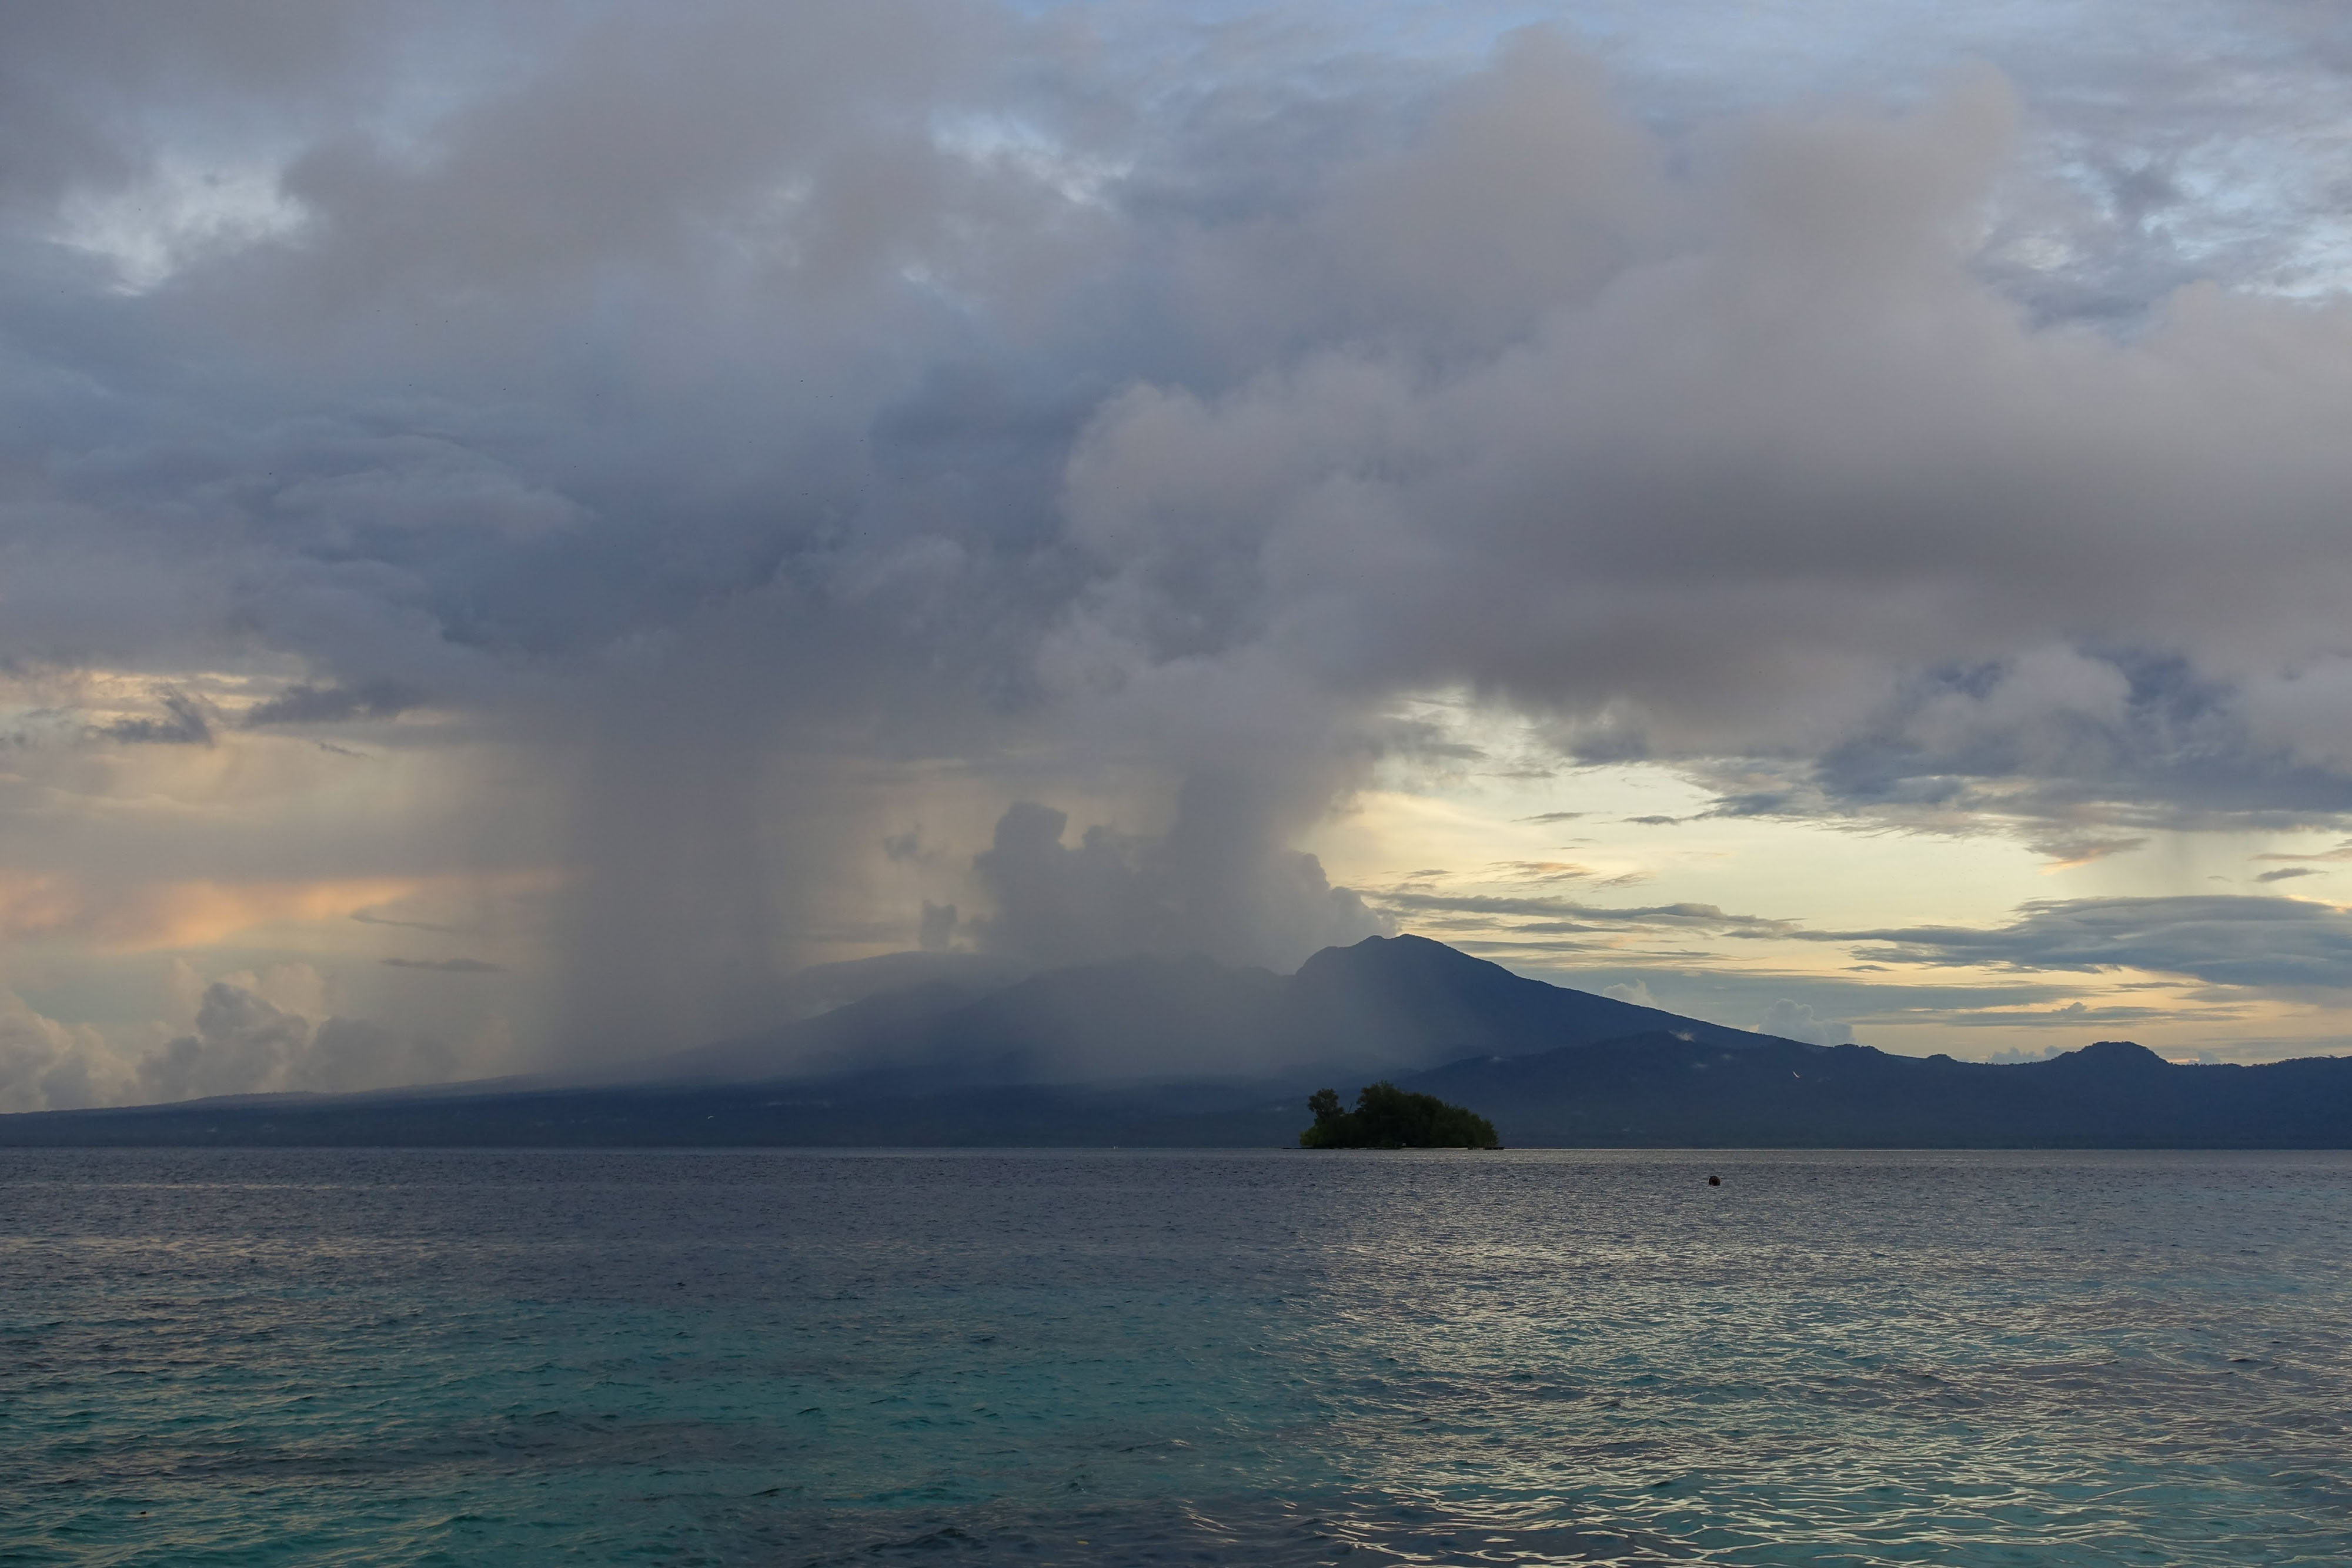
[(1388, 1117)]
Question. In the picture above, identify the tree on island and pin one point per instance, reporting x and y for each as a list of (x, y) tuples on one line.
[(1388, 1117)]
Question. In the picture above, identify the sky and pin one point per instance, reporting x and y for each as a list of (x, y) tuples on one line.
[(531, 535)]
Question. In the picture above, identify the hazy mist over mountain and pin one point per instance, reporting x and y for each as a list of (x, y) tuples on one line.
[(536, 535)]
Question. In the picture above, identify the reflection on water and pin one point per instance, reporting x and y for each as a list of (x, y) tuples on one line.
[(1522, 1357)]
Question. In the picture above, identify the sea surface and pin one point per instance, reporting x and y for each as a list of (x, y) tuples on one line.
[(695, 1357)]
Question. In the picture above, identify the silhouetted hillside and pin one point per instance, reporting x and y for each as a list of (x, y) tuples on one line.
[(1177, 1052), (1387, 1003), (1657, 1090), (1408, 998)]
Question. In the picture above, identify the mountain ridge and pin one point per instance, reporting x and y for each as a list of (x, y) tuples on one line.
[(1385, 1004), (1166, 1051)]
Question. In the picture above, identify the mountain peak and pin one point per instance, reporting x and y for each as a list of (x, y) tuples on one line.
[(2116, 1055), (1402, 954)]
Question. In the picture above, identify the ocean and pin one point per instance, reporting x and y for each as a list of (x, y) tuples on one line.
[(583, 1356)]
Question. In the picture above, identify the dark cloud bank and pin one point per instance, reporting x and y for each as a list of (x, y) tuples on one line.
[(704, 431)]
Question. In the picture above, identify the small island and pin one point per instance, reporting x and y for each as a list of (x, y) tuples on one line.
[(1388, 1117)]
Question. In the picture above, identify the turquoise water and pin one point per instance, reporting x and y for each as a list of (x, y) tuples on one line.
[(585, 1356)]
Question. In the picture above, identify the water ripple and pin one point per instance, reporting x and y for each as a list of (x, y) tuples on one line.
[(491, 1357)]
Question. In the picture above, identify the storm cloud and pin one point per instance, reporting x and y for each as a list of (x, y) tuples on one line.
[(610, 474)]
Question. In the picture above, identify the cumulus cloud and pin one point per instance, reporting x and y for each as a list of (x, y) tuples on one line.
[(1204, 887), (2019, 1055), (1795, 1021), (46, 1065), (245, 1044), (241, 1044)]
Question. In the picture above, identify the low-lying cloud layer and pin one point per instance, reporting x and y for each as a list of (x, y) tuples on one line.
[(604, 477)]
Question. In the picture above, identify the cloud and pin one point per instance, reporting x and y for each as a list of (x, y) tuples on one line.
[(762, 429), (241, 1044), (447, 966), (2018, 1055), (1842, 587), (112, 912), (46, 1065), (303, 704), (1795, 1021), (370, 917), (1204, 887), (2225, 939), (2062, 746), (2073, 1016), (1570, 915), (1544, 871), (245, 1044), (185, 723), (2287, 872), (2342, 851)]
